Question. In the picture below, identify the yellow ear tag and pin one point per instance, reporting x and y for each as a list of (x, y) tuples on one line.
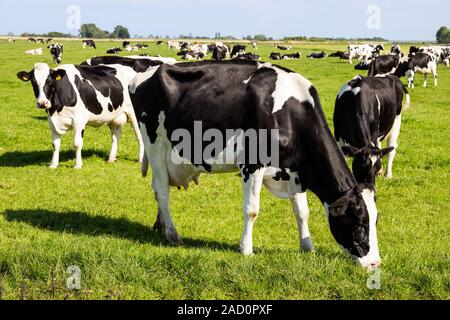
[(25, 78), (58, 77)]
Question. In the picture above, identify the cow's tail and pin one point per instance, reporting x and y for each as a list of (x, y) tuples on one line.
[(408, 98)]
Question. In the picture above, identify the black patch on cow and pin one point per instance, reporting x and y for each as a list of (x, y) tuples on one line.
[(282, 176), (102, 79), (82, 133), (138, 65)]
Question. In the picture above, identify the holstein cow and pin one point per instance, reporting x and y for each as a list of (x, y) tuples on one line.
[(275, 56), (11, 40), (238, 49), (137, 63), (396, 49), (246, 97), (365, 52), (78, 95), (418, 63), (317, 55), (220, 53), (113, 50), (364, 65), (247, 56), (174, 45), (284, 48), (89, 44), (337, 54), (125, 44), (35, 52), (32, 40), (386, 64), (369, 110), (56, 52), (292, 56)]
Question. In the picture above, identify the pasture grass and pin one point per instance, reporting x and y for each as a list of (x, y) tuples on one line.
[(101, 218)]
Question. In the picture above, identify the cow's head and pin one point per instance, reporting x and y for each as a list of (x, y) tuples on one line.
[(366, 162), (353, 223), (51, 87)]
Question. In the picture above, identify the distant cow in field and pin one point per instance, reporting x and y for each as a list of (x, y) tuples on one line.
[(174, 45), (386, 64), (367, 111), (89, 43), (78, 95), (292, 56), (337, 54), (317, 55), (420, 62), (35, 52), (56, 52), (220, 53), (364, 52), (11, 40), (275, 56), (364, 65), (283, 48), (396, 49), (159, 43), (125, 44), (238, 49), (32, 40), (247, 56), (113, 50)]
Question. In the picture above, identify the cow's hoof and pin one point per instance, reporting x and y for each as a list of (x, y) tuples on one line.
[(389, 176), (174, 238), (78, 167), (53, 166), (111, 161), (307, 245), (158, 227), (246, 252)]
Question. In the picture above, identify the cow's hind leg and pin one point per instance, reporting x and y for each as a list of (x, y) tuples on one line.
[(252, 185), (392, 141), (137, 133), (301, 210), (78, 143), (115, 128)]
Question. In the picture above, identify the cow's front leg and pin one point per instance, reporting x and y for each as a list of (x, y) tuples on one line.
[(252, 185), (78, 145), (425, 80), (301, 210), (137, 133), (56, 144)]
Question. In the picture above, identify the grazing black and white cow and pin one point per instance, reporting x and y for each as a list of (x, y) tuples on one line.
[(56, 52), (89, 43), (137, 63), (367, 111), (174, 45), (49, 40), (275, 56), (396, 49), (78, 95), (337, 54), (247, 56), (255, 46), (40, 40), (125, 44), (419, 62), (191, 55), (220, 53), (366, 51), (12, 40), (235, 98), (283, 48), (292, 56), (142, 46), (317, 55), (160, 42), (237, 49), (345, 56), (386, 64), (364, 65), (113, 50), (32, 40), (413, 49)]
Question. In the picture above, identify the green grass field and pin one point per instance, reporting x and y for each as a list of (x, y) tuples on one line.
[(101, 218)]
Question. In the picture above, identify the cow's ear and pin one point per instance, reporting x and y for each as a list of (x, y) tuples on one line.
[(338, 209), (57, 75), (385, 152), (24, 76), (350, 151)]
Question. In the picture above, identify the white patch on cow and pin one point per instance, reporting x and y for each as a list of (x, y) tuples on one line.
[(373, 257), (379, 104), (247, 81), (290, 85), (41, 73), (348, 88), (141, 78)]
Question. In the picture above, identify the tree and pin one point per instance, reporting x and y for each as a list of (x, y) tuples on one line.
[(90, 30), (121, 32), (443, 35)]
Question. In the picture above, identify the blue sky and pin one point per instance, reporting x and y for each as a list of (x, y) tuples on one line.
[(399, 19)]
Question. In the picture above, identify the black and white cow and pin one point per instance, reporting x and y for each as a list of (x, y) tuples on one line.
[(11, 40), (317, 55), (113, 50), (337, 54), (40, 40), (419, 62), (284, 48), (125, 44), (191, 55), (385, 64), (229, 97), (160, 42), (364, 65), (32, 40), (275, 56), (367, 111), (220, 53), (396, 49), (413, 49), (292, 56), (174, 45), (56, 52), (366, 51), (89, 43), (247, 56), (237, 49), (78, 95)]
